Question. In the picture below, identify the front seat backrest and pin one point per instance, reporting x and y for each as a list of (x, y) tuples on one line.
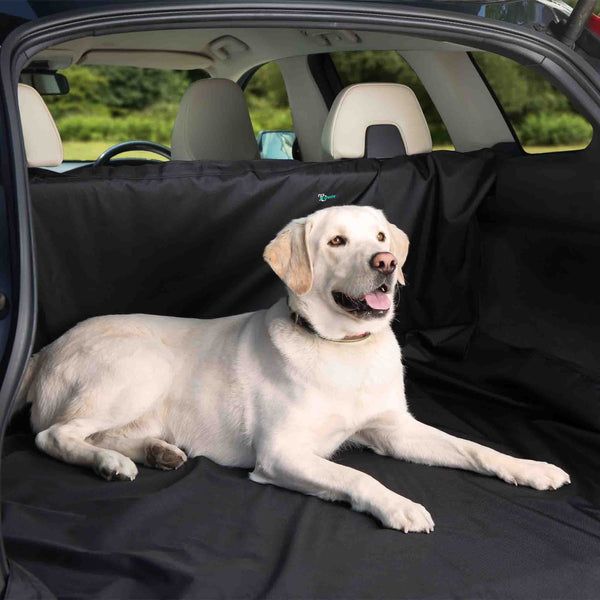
[(376, 120), (213, 123), (43, 146)]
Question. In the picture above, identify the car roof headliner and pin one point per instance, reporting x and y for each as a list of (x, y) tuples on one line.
[(207, 49)]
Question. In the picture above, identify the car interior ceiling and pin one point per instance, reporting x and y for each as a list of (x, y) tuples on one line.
[(496, 325)]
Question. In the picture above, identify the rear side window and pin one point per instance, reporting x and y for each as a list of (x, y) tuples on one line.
[(542, 117), (387, 66), (270, 113)]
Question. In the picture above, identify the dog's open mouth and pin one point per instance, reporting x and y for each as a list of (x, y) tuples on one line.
[(375, 304)]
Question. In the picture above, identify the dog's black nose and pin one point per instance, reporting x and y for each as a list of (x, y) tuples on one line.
[(384, 262)]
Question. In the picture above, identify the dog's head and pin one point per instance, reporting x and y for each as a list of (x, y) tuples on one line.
[(341, 266)]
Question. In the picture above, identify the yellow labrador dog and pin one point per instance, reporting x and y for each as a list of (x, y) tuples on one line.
[(277, 391)]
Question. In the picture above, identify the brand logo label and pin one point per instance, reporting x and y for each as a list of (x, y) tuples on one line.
[(325, 197)]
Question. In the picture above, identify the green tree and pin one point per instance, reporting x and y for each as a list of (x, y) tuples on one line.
[(267, 99), (117, 91), (131, 88), (267, 83), (520, 90), (88, 88)]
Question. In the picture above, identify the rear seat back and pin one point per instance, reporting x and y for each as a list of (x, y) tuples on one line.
[(213, 123), (186, 238)]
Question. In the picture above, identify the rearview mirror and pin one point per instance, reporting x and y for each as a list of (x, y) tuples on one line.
[(46, 82), (276, 143)]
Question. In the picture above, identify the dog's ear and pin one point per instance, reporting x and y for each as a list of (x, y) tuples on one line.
[(289, 256), (399, 249)]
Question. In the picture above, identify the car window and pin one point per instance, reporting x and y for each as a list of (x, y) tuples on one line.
[(107, 105), (542, 117), (387, 66), (270, 113)]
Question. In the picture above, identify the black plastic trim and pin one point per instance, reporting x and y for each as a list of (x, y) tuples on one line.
[(244, 80), (326, 77), (22, 262)]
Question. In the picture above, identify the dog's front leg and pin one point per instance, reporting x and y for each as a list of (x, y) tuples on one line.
[(401, 436), (317, 476)]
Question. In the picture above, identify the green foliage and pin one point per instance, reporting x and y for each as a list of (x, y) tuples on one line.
[(265, 117), (94, 128), (88, 88), (509, 85), (540, 114), (520, 90), (373, 66), (124, 103), (553, 129), (162, 111), (130, 88), (267, 83), (267, 99), (117, 90)]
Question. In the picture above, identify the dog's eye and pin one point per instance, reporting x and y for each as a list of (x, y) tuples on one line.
[(338, 240), (381, 236)]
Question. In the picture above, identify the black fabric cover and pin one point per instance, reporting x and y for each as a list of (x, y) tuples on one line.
[(25, 585), (186, 239)]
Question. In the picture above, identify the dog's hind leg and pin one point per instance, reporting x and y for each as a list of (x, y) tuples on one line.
[(162, 455), (140, 442), (148, 451), (67, 441)]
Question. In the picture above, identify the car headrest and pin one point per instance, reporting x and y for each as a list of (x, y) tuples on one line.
[(213, 123), (43, 146), (375, 120)]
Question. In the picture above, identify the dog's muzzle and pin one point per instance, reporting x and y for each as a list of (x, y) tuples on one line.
[(375, 304)]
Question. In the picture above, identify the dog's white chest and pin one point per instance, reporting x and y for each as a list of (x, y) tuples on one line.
[(339, 388)]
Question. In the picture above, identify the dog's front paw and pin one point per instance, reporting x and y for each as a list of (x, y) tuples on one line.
[(112, 465), (408, 516), (535, 474)]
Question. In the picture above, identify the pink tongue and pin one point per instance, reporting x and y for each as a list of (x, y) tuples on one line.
[(378, 300)]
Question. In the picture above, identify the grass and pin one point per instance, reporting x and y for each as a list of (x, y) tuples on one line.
[(92, 150), (534, 149), (540, 149)]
